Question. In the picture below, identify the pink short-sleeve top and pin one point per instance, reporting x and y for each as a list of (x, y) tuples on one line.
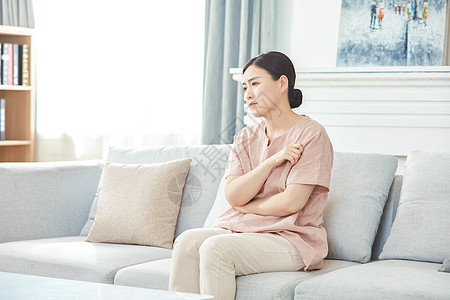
[(303, 229)]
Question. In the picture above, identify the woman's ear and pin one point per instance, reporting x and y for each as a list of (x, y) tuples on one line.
[(284, 83)]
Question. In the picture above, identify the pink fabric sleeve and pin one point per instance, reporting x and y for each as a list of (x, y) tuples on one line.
[(235, 162), (315, 163)]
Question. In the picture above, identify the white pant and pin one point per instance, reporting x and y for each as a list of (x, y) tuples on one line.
[(207, 260)]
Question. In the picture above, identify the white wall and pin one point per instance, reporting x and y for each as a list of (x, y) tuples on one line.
[(309, 31)]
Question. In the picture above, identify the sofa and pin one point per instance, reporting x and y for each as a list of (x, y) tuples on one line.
[(388, 234)]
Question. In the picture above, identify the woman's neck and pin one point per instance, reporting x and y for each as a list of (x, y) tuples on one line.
[(278, 123)]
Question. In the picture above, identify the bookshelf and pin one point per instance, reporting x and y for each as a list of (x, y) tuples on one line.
[(20, 104)]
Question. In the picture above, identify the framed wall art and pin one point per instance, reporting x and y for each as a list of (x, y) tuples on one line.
[(376, 33)]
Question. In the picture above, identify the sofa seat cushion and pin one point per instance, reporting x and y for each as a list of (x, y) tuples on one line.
[(273, 285), (73, 258), (151, 275), (390, 279)]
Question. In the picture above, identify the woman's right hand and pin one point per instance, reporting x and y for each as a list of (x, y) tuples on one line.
[(291, 153)]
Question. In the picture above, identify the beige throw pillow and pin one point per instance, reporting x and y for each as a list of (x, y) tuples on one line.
[(139, 203)]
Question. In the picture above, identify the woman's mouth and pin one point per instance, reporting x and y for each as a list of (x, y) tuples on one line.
[(251, 104)]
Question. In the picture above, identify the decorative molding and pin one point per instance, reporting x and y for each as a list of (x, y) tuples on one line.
[(385, 110)]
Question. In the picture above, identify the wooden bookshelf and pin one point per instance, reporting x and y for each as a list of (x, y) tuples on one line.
[(19, 145)]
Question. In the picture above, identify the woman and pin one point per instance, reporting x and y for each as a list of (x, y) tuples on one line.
[(277, 182)]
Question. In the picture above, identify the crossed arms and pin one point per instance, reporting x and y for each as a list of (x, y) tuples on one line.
[(240, 190)]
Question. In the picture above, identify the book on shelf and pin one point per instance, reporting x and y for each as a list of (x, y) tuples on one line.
[(25, 65), (20, 66), (14, 64), (15, 72), (9, 74), (5, 60), (2, 119)]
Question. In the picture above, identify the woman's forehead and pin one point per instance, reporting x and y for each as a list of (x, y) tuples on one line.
[(253, 71)]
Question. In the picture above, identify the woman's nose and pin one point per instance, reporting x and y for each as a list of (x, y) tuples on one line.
[(249, 94)]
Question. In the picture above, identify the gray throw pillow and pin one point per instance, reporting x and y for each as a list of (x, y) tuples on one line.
[(359, 189), (421, 228)]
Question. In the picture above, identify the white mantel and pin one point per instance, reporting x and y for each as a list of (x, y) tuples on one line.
[(383, 110)]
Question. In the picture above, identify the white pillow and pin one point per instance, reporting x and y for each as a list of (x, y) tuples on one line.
[(220, 205)]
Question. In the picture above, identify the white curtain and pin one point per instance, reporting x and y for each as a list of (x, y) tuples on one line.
[(113, 73)]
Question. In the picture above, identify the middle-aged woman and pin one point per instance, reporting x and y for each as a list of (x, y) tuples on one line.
[(277, 184)]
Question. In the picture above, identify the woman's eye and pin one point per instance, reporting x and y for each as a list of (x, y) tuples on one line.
[(244, 88), (254, 83)]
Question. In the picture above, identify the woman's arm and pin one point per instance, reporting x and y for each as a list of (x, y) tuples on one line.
[(290, 201), (239, 190)]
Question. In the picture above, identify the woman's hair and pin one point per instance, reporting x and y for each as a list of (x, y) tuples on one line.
[(277, 64)]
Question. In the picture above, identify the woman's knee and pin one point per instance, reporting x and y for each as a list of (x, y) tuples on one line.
[(193, 238), (213, 254), (215, 248), (186, 239)]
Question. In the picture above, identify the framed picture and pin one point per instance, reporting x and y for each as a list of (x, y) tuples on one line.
[(392, 33)]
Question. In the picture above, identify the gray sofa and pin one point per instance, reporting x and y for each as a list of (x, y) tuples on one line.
[(387, 238)]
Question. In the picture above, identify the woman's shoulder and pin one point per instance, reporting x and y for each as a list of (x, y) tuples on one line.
[(311, 125)]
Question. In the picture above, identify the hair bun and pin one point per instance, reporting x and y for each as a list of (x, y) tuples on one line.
[(297, 98)]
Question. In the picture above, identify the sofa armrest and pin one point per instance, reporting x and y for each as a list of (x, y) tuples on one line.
[(44, 200)]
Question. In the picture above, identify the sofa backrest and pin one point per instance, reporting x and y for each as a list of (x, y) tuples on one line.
[(45, 200)]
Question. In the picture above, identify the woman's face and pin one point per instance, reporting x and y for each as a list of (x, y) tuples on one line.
[(261, 92)]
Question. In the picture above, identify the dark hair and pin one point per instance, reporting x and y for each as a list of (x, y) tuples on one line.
[(277, 64)]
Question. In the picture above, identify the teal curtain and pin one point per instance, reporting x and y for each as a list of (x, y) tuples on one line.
[(235, 31), (17, 13)]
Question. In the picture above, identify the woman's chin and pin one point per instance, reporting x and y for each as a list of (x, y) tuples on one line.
[(256, 113)]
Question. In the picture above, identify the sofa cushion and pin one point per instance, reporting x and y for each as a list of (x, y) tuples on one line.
[(272, 285), (48, 199), (73, 258), (152, 275), (281, 285), (359, 188), (139, 203), (207, 168), (421, 227), (393, 279)]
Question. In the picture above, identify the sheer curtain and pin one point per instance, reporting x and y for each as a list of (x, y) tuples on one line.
[(113, 72), (16, 13), (236, 30)]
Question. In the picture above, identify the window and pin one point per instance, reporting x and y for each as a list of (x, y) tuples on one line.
[(117, 73)]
